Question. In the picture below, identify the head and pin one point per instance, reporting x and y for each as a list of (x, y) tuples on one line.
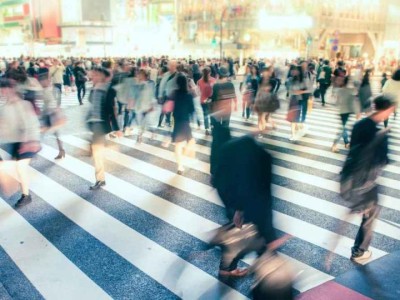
[(384, 107), (248, 69), (182, 83), (304, 65), (172, 66), (223, 73), (206, 74), (396, 75), (143, 75), (7, 87), (326, 62), (99, 75), (255, 71)]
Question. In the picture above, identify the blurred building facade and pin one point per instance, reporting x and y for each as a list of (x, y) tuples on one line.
[(345, 28), (263, 28)]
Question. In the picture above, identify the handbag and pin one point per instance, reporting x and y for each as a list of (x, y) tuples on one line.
[(317, 93), (168, 106)]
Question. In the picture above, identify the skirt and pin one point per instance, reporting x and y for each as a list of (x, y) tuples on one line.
[(14, 149), (293, 114), (182, 131)]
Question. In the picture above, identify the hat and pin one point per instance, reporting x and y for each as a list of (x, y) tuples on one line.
[(223, 72)]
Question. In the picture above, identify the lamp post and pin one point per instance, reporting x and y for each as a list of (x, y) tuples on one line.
[(103, 18)]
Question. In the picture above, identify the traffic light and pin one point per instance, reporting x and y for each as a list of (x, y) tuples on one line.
[(214, 42)]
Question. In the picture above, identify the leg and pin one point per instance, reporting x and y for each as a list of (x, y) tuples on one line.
[(323, 92), (98, 149), (179, 155), (206, 116), (84, 90), (345, 118), (364, 235), (79, 88), (61, 152), (23, 175)]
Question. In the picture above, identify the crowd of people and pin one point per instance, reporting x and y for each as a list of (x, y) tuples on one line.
[(184, 93)]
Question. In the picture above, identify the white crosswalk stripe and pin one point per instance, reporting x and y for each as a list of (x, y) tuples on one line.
[(307, 215)]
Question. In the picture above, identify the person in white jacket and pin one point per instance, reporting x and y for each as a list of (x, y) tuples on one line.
[(392, 89), (20, 134)]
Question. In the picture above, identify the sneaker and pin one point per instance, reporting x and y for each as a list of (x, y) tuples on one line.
[(360, 258), (293, 138), (97, 185), (24, 200)]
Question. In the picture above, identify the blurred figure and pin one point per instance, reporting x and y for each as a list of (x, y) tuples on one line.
[(243, 181), (223, 97), (182, 112), (297, 87), (19, 134), (67, 76), (251, 85), (324, 75), (346, 102), (167, 88), (57, 77), (80, 80), (205, 84), (101, 120), (384, 80), (51, 115), (365, 161), (392, 89), (364, 95)]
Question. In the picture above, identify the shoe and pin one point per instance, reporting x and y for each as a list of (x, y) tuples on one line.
[(208, 132), (139, 139), (180, 171), (335, 149), (360, 258), (24, 200), (234, 273), (80, 103), (293, 138), (60, 155), (112, 136), (160, 126), (97, 185)]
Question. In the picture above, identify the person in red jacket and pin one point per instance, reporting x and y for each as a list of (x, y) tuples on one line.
[(205, 85)]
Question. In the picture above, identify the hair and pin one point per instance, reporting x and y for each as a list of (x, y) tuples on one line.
[(144, 72), (299, 77), (106, 64), (164, 69), (326, 62), (102, 70), (365, 79), (182, 83), (346, 81), (396, 75), (257, 70), (7, 83), (382, 103), (206, 74)]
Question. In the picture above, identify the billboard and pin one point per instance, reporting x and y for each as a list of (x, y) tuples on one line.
[(96, 10)]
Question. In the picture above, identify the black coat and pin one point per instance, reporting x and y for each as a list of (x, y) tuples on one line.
[(243, 181)]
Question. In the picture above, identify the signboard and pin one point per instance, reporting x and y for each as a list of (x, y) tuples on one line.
[(96, 10)]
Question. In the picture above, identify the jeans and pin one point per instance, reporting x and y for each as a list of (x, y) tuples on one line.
[(206, 113), (57, 90), (278, 85), (303, 108), (224, 121), (167, 119), (344, 118), (81, 87), (129, 117)]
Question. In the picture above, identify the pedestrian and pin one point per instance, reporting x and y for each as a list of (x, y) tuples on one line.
[(223, 97), (67, 76), (364, 95), (346, 103), (324, 75), (297, 87), (80, 81), (166, 90), (19, 134), (392, 89), (367, 157), (182, 112), (205, 84), (251, 87), (57, 78), (101, 120)]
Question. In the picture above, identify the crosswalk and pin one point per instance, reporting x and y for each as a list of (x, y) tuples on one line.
[(145, 234)]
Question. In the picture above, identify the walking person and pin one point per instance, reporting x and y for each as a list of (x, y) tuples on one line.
[(364, 95), (367, 157), (223, 97), (251, 88), (346, 103), (19, 134), (205, 84), (392, 89), (182, 112), (80, 81), (297, 87), (101, 120), (245, 92), (57, 78), (324, 76), (166, 90)]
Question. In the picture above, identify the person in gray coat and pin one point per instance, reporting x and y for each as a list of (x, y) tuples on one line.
[(346, 100)]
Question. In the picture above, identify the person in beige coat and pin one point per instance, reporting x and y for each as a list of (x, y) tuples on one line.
[(391, 89)]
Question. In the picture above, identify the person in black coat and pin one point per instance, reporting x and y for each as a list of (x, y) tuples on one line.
[(101, 120), (80, 80)]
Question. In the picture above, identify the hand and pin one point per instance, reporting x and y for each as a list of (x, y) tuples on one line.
[(277, 243), (238, 219)]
